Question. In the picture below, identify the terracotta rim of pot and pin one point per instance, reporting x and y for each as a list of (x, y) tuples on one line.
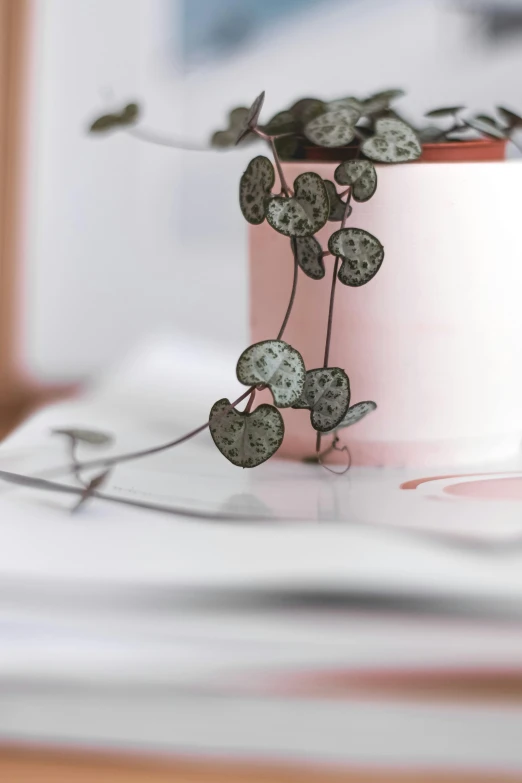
[(473, 151)]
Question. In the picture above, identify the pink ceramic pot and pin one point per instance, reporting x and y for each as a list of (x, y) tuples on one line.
[(435, 337)]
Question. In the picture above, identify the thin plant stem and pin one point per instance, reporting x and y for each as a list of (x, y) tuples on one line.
[(292, 294), (74, 460), (287, 192), (107, 461), (250, 402), (331, 305), (153, 137), (277, 159), (35, 482)]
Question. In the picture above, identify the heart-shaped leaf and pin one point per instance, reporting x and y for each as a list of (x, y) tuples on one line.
[(394, 142), (254, 188), (337, 205), (380, 101), (92, 437), (310, 257), (246, 439), (485, 128), (306, 109), (326, 394), (356, 413), (282, 122), (361, 175), (127, 116), (251, 118), (347, 103), (305, 213), (277, 365), (445, 111), (227, 137), (362, 255), (513, 119), (332, 129)]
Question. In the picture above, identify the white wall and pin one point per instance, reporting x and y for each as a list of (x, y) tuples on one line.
[(103, 262), (126, 239)]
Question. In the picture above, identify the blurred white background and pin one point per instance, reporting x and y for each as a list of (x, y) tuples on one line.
[(123, 239)]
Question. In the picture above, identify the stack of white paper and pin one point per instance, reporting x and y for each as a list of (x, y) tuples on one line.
[(248, 612)]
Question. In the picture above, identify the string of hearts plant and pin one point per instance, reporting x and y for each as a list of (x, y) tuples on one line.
[(298, 211)]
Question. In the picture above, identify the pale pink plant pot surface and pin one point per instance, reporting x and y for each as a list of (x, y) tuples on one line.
[(435, 338)]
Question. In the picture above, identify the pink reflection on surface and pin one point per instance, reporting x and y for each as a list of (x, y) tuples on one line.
[(488, 489)]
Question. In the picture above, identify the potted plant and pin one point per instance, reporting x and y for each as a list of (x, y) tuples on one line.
[(432, 338), (431, 332)]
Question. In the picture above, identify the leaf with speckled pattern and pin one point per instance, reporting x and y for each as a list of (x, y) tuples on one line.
[(306, 109), (380, 101), (362, 255), (346, 103), (333, 128), (282, 122), (310, 257), (246, 439), (361, 175), (356, 413), (326, 394), (305, 213), (393, 142), (337, 205), (252, 117), (227, 137), (277, 365), (254, 188)]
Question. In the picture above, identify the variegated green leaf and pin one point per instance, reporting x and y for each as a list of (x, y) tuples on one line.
[(306, 109), (393, 142), (255, 186), (332, 129), (361, 175), (362, 255), (305, 213), (310, 257), (337, 205), (326, 394), (380, 101), (277, 365), (347, 103), (356, 413), (227, 137), (282, 122), (246, 439)]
